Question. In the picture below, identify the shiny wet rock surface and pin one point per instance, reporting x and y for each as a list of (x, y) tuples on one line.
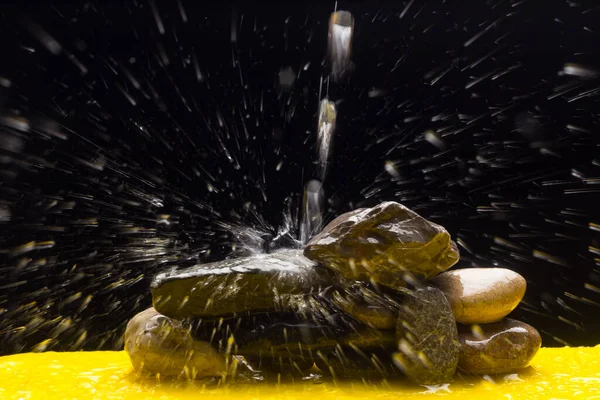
[(258, 282), (481, 295), (499, 347), (382, 244)]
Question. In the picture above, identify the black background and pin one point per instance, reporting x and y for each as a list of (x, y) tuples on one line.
[(514, 182)]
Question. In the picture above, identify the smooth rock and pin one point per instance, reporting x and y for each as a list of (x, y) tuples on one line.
[(499, 347), (302, 343), (304, 319), (367, 306), (427, 338), (159, 345), (311, 324), (289, 343), (384, 244), (258, 282), (481, 295), (369, 366)]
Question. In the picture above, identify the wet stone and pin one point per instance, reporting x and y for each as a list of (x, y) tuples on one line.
[(481, 295), (305, 341), (368, 306), (307, 316), (254, 283), (288, 336), (499, 347), (296, 340), (157, 344), (384, 244), (427, 338), (370, 366)]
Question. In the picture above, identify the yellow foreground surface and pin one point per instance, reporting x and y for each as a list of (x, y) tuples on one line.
[(565, 373)]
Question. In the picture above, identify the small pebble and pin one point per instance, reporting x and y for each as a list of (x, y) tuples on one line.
[(160, 345), (497, 348)]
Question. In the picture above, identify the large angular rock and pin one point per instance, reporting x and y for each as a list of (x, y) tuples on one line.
[(258, 282), (159, 345), (427, 338), (382, 244)]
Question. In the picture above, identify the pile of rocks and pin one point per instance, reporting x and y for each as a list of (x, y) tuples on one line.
[(367, 298)]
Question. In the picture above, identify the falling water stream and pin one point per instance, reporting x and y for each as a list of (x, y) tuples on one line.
[(341, 26)]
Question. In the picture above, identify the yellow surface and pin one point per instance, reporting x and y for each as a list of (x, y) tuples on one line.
[(566, 373)]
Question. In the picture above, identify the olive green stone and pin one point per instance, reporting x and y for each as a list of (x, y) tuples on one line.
[(427, 338), (258, 282), (384, 244), (481, 295), (305, 319), (305, 341), (276, 340), (159, 345), (367, 306), (499, 347)]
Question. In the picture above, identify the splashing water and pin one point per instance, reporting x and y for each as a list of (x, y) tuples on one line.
[(139, 138)]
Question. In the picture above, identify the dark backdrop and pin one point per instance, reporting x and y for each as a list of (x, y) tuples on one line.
[(118, 117)]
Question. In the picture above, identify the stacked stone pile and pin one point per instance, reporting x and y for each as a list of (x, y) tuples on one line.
[(369, 297)]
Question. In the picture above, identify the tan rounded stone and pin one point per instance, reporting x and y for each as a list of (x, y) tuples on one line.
[(160, 345), (481, 295), (497, 348)]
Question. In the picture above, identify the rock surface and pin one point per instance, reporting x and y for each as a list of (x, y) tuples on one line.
[(259, 282), (305, 341), (481, 295), (496, 348), (369, 366), (382, 244), (427, 338), (290, 342), (367, 306), (159, 345)]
